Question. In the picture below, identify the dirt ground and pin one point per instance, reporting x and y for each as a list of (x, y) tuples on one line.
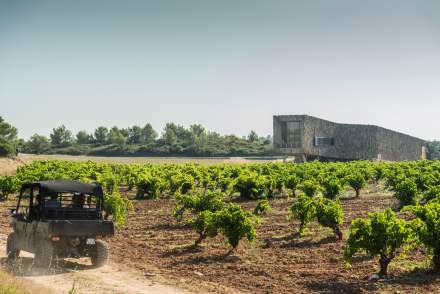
[(275, 263), (78, 274)]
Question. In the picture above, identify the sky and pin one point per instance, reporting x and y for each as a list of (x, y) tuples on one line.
[(228, 65)]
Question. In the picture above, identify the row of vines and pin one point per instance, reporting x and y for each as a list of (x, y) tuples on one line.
[(203, 197)]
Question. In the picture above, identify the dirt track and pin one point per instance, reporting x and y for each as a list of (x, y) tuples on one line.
[(112, 278)]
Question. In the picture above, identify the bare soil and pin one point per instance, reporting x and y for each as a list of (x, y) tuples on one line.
[(277, 262), (78, 275)]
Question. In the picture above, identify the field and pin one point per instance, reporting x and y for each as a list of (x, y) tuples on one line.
[(160, 249), (8, 166), (278, 262)]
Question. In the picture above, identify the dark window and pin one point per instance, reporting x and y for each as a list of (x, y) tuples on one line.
[(319, 141), (291, 134)]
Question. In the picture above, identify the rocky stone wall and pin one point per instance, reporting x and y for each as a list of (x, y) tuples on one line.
[(351, 141)]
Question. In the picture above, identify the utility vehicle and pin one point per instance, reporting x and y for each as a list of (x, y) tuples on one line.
[(59, 219)]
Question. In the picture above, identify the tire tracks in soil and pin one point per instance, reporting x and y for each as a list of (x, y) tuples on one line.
[(78, 274)]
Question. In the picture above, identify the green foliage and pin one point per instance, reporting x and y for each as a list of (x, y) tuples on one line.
[(8, 138), (380, 235), (181, 183), (83, 138), (8, 185), (357, 181), (291, 183), (118, 207), (251, 185), (209, 201), (304, 209), (432, 193), (232, 221), (262, 207), (406, 192), (235, 224), (136, 140), (204, 225), (151, 186), (329, 214), (37, 144), (332, 187), (428, 229), (310, 187), (115, 136), (61, 137), (101, 135)]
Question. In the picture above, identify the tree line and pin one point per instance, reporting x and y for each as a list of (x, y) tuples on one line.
[(144, 140)]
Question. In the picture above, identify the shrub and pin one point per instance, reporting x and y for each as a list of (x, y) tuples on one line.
[(332, 187), (204, 226), (232, 221), (309, 187), (251, 185), (428, 229), (380, 235), (329, 214), (181, 183), (152, 186), (406, 192), (235, 224), (432, 193), (117, 206), (262, 207), (357, 181), (8, 185), (304, 209), (291, 183), (210, 201)]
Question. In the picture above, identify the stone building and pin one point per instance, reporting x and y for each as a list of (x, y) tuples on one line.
[(308, 138)]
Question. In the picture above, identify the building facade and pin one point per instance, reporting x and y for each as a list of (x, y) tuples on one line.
[(308, 138)]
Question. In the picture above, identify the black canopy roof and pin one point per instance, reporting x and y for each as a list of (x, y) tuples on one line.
[(64, 186)]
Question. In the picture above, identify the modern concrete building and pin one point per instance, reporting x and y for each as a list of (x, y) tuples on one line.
[(309, 138)]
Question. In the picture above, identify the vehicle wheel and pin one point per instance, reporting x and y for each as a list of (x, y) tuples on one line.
[(44, 254), (99, 254), (11, 247)]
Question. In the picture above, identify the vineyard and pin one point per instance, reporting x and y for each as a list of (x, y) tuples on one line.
[(272, 227)]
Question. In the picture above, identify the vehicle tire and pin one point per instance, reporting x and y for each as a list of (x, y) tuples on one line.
[(99, 254), (12, 250), (44, 254)]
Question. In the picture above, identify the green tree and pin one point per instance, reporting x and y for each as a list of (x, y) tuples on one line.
[(253, 137), (115, 136), (83, 138), (101, 135), (37, 144), (169, 134), (61, 137), (134, 135), (149, 135), (8, 137)]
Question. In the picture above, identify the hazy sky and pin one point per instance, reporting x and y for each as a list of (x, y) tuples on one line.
[(229, 65)]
